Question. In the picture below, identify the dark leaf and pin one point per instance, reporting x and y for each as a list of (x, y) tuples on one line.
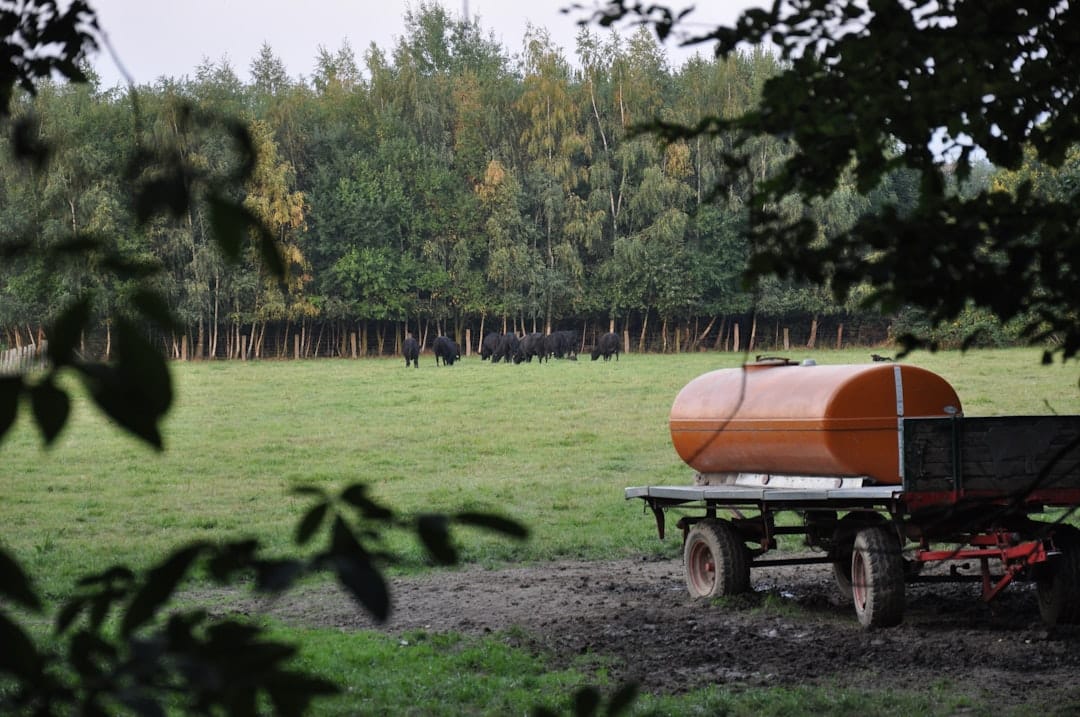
[(357, 573), (276, 575), (248, 154), (291, 693), (311, 522), (10, 389), (434, 532), (356, 495), (15, 584), (143, 367), (343, 541), (160, 584), (586, 702), (26, 143), (271, 254), (623, 699), (231, 223), (79, 246), (65, 333), (365, 583), (154, 307), (89, 655), (114, 394), (136, 391), (309, 490), (497, 523), (115, 574), (69, 612), (18, 655), (232, 558), (168, 192), (51, 408)]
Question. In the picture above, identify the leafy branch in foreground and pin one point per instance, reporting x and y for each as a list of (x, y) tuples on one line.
[(120, 646)]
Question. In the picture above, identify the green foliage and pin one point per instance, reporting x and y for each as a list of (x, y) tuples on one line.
[(870, 91)]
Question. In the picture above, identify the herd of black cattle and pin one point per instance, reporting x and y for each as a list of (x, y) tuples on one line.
[(514, 349)]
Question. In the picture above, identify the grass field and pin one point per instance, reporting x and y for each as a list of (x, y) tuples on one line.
[(552, 446)]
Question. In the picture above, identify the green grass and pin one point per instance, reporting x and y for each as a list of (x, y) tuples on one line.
[(552, 446)]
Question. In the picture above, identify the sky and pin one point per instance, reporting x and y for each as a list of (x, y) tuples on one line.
[(154, 38)]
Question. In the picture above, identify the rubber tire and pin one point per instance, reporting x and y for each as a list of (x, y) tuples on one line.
[(843, 545), (716, 560), (1057, 581), (877, 577)]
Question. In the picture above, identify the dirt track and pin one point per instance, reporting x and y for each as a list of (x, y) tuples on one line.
[(792, 629)]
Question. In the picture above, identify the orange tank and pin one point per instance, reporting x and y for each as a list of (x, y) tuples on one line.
[(805, 420)]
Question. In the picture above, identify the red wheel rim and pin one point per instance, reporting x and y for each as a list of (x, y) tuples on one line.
[(858, 580), (701, 568)]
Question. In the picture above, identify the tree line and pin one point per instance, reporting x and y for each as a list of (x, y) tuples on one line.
[(441, 186)]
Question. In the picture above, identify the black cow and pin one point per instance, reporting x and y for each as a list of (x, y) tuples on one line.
[(509, 348), (446, 349), (488, 346), (561, 344), (411, 348), (606, 345), (531, 345)]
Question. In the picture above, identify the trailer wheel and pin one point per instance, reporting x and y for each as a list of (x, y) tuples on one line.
[(843, 546), (877, 577), (1058, 580), (716, 560)]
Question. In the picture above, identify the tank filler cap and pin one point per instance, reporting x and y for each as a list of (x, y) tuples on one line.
[(808, 362)]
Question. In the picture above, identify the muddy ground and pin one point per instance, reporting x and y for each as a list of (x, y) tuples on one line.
[(792, 630)]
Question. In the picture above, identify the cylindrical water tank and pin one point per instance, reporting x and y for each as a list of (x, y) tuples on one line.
[(805, 420)]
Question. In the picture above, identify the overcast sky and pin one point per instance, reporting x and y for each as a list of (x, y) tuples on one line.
[(153, 38)]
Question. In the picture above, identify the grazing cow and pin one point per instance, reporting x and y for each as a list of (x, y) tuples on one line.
[(531, 345), (411, 348), (606, 345), (509, 348), (445, 349), (562, 344), (488, 346)]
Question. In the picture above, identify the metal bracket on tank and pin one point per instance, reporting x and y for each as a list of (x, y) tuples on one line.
[(770, 480)]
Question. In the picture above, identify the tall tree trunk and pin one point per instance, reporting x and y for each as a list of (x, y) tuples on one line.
[(813, 333), (720, 333), (644, 328), (704, 334), (318, 342), (753, 333)]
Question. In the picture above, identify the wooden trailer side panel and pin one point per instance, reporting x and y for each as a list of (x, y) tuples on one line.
[(1008, 456)]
